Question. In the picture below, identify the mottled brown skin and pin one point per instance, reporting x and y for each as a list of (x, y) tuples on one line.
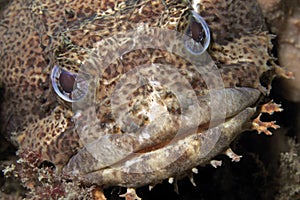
[(36, 36)]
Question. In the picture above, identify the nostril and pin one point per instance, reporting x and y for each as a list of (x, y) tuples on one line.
[(47, 164)]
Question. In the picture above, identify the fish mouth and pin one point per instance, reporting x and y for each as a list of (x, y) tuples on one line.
[(132, 161)]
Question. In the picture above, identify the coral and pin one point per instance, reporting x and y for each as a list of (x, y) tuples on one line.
[(283, 17), (289, 173), (43, 182)]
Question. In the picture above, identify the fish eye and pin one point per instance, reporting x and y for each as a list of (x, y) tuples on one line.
[(67, 85), (67, 81), (198, 35)]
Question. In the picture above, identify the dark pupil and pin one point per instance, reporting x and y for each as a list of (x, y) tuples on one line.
[(66, 81), (197, 31)]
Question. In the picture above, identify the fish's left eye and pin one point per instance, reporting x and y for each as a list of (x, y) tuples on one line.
[(198, 35), (67, 85)]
